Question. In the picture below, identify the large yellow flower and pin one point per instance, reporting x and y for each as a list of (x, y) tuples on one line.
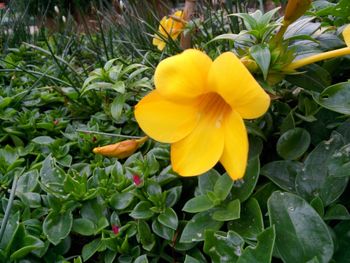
[(169, 27), (198, 106)]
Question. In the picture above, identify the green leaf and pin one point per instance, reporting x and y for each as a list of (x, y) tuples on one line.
[(141, 259), (189, 259), (198, 204), (162, 230), (43, 140), (117, 107), (57, 226), (293, 143), (298, 225), (250, 223), (206, 182), (282, 173), (27, 182), (315, 78), (120, 201), (342, 233), (169, 218), (223, 247), (90, 249), (337, 212), (314, 179), (194, 229), (83, 226), (223, 186), (262, 56), (317, 204), (335, 98), (229, 212), (262, 253), (142, 210), (145, 234), (244, 188)]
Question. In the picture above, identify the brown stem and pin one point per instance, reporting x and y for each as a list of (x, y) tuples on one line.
[(185, 41)]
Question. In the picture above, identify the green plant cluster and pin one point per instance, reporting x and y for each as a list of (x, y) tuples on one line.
[(64, 94)]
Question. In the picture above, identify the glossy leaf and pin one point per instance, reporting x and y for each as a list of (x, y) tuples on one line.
[(262, 252), (335, 98), (297, 226), (57, 226), (244, 188), (282, 173), (293, 143), (223, 247), (262, 56), (198, 204), (194, 229), (250, 223)]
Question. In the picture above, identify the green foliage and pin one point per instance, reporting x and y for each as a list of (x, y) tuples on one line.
[(63, 95)]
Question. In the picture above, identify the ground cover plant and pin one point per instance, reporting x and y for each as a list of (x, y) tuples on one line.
[(118, 146)]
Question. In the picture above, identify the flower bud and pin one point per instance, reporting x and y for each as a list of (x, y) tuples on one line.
[(121, 149), (57, 10), (295, 9), (346, 35), (250, 64)]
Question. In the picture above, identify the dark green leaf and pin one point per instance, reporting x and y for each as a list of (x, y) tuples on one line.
[(231, 211), (83, 226), (142, 210), (298, 225), (244, 188), (335, 98), (262, 253), (198, 204), (90, 249), (250, 223), (223, 186), (120, 201), (194, 229), (223, 247), (337, 212), (293, 143), (282, 173), (57, 226), (342, 232), (168, 218)]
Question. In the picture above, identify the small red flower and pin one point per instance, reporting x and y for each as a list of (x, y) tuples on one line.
[(137, 179), (115, 229)]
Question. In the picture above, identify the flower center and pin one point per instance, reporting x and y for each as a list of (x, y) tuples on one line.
[(213, 107)]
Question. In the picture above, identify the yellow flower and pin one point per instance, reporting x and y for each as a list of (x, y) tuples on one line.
[(169, 26), (121, 149), (325, 55), (198, 106)]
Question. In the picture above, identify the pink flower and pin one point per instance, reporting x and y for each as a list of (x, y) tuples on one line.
[(137, 179), (115, 229)]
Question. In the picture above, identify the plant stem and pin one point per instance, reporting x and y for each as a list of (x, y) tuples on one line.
[(110, 134), (9, 205), (318, 57), (185, 41)]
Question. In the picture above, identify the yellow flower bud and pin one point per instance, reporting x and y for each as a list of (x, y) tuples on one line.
[(121, 149), (295, 9), (346, 35), (250, 64)]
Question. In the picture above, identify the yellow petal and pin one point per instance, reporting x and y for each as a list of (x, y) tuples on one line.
[(159, 43), (234, 157), (200, 150), (163, 120), (346, 35), (230, 78), (182, 77)]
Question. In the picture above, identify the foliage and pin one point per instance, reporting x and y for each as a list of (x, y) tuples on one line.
[(62, 93)]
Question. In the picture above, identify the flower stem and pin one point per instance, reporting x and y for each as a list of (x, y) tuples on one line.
[(111, 134), (318, 57)]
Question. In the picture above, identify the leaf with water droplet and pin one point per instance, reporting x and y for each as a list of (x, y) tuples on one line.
[(220, 245), (298, 229)]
